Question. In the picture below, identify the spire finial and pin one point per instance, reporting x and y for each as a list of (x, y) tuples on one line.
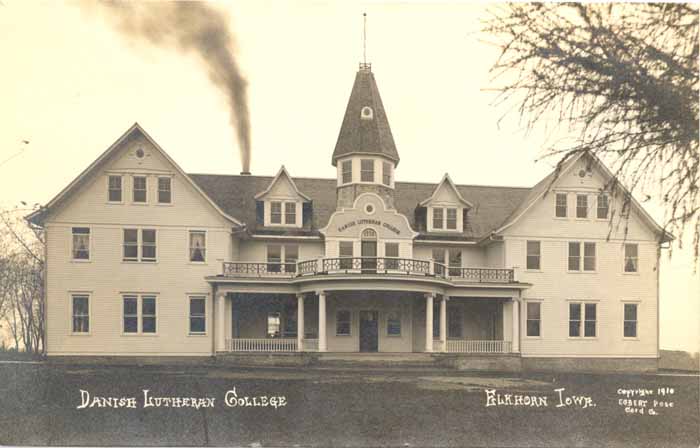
[(364, 65)]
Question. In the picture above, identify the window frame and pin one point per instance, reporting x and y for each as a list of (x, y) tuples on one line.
[(139, 296), (190, 233), (386, 173), (558, 206), (528, 255), (278, 334), (364, 171), (441, 211), (143, 244), (580, 207), (346, 264), (448, 219), (286, 213), (190, 298), (582, 257), (338, 321), (280, 214), (71, 317), (528, 319), (607, 206), (397, 319), (454, 314), (625, 257), (134, 190), (139, 246), (170, 190), (110, 189), (583, 319), (89, 244), (636, 304), (346, 175)]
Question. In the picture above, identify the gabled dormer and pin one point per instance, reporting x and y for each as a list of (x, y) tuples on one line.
[(445, 208), (282, 202)]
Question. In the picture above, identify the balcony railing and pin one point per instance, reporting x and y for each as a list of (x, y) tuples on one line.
[(367, 265)]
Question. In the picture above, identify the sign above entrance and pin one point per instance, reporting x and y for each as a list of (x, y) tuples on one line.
[(374, 222)]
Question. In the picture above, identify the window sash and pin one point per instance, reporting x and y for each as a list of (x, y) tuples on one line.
[(386, 173), (438, 218), (291, 256), (198, 310), (114, 189), (367, 170), (130, 311), (80, 313), (81, 243), (631, 257), (148, 314), (343, 320), (451, 219), (630, 320), (533, 319), (130, 245), (198, 246), (581, 206), (274, 258), (533, 255), (140, 189), (347, 171), (276, 212), (290, 213), (454, 262), (589, 256), (589, 326), (274, 325), (574, 320), (574, 256), (393, 324), (148, 245), (603, 207), (164, 190), (561, 205)]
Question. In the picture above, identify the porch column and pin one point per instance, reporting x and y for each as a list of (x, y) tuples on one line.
[(443, 323), (516, 326), (300, 322), (220, 321), (322, 321), (429, 322)]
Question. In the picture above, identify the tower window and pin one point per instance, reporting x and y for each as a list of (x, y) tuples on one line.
[(366, 113), (386, 173), (367, 170), (346, 168)]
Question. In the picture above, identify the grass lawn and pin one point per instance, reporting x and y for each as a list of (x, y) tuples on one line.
[(325, 407)]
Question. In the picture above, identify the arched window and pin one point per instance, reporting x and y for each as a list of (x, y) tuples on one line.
[(369, 234)]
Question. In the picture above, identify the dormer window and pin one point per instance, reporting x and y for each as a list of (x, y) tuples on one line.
[(451, 220), (283, 213), (367, 170), (445, 218), (276, 212), (366, 113), (438, 218)]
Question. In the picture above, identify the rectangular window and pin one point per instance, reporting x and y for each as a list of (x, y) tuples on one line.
[(276, 212), (630, 320), (148, 245), (438, 218), (345, 250), (439, 257), (198, 316), (533, 255), (291, 255), (164, 190), (391, 250), (346, 167), (436, 319), (631, 254), (574, 320), (589, 256), (574, 256), (590, 320), (131, 314), (140, 189), (198, 246), (367, 170), (603, 206), (561, 205), (342, 323), (386, 173), (451, 219), (581, 206), (455, 262), (131, 245), (114, 189), (81, 243), (533, 318), (290, 213), (274, 258), (274, 325), (454, 322), (81, 313), (148, 314), (393, 323)]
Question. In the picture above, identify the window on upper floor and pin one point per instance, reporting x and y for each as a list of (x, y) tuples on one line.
[(575, 256), (81, 243), (455, 262), (283, 213), (533, 318), (139, 245), (602, 206), (198, 246), (533, 255), (274, 258), (631, 258), (80, 313), (276, 212), (386, 173), (438, 218), (391, 250), (165, 195), (291, 256), (290, 213), (582, 206), (367, 170), (114, 188), (560, 209), (445, 218), (282, 258), (346, 169), (140, 189), (630, 320), (451, 220), (345, 250)]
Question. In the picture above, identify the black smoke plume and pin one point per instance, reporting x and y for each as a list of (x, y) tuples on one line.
[(189, 27)]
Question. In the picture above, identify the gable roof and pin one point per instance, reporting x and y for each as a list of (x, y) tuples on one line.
[(37, 217), (365, 136), (446, 180), (235, 194), (280, 173)]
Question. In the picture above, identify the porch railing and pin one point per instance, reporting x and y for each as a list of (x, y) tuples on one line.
[(261, 345), (366, 265), (475, 346), (310, 345)]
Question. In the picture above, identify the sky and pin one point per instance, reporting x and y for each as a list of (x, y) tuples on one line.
[(70, 85)]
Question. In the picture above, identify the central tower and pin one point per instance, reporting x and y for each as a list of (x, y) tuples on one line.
[(365, 154)]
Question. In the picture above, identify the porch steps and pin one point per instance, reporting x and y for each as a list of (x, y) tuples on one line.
[(377, 359)]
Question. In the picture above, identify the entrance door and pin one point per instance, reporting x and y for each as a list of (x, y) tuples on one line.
[(369, 331), (368, 248)]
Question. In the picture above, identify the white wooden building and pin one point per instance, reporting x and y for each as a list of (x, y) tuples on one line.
[(145, 259)]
